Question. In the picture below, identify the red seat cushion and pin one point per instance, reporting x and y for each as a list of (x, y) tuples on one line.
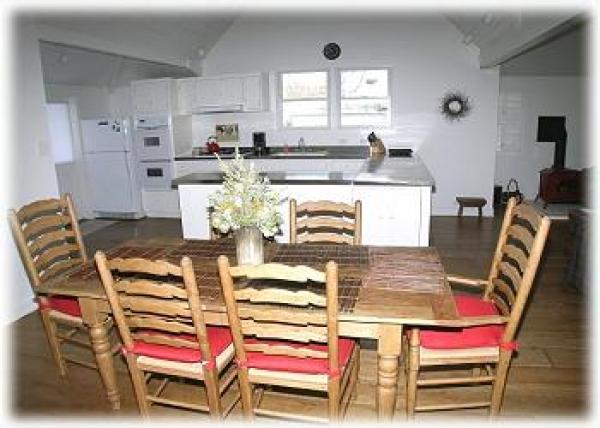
[(219, 338), (65, 305), (471, 337), (258, 360)]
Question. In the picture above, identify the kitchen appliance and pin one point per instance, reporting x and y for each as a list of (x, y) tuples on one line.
[(110, 168), (158, 139), (259, 142)]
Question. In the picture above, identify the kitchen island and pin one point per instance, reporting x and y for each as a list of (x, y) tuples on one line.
[(395, 194)]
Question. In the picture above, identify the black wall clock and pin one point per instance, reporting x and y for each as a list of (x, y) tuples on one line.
[(455, 105), (332, 51)]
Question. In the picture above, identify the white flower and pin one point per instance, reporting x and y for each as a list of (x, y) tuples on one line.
[(245, 199)]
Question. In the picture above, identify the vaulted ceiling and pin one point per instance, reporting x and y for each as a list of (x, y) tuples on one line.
[(111, 50)]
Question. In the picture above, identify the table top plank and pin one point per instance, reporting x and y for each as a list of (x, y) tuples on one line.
[(377, 284)]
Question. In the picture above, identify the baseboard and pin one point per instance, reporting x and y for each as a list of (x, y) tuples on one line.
[(467, 212), (163, 214), (24, 307)]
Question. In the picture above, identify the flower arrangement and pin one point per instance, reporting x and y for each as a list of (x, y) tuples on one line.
[(245, 200)]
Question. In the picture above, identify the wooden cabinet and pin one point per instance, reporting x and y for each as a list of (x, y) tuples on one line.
[(153, 96)]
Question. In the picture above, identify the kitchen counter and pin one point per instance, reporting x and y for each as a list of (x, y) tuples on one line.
[(383, 171), (293, 152), (395, 194)]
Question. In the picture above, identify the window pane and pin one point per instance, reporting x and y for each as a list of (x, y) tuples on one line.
[(364, 83), (304, 114), (304, 85), (369, 112)]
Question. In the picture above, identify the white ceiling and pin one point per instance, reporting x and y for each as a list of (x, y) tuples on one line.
[(71, 65), (502, 36), (125, 47), (565, 55), (182, 35)]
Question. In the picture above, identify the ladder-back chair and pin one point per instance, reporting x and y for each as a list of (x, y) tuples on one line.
[(156, 306), (284, 325), (49, 241), (485, 337), (325, 221)]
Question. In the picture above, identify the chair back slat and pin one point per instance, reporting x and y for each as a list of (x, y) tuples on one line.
[(42, 225), (167, 324), (153, 300), (285, 350), (521, 235), (266, 330), (529, 214), (40, 209), (58, 269), (516, 255), (158, 339), (56, 255), (325, 221), (292, 305), (48, 238), (505, 290), (500, 304), (292, 315), (522, 239), (144, 287), (506, 270)]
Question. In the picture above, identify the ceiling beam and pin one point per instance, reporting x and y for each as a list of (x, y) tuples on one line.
[(532, 33)]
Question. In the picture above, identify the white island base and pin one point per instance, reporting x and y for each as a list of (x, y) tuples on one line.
[(393, 215)]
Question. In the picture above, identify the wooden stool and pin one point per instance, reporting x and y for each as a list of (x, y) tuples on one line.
[(464, 201)]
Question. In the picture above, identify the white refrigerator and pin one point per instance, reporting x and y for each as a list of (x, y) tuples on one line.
[(110, 166)]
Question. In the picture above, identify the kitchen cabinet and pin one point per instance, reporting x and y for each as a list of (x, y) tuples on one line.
[(214, 94), (392, 215), (153, 96), (218, 94)]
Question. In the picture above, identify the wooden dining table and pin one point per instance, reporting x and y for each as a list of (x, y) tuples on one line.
[(381, 290)]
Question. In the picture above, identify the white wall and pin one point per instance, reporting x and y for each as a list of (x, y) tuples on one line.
[(32, 173), (426, 59), (522, 100)]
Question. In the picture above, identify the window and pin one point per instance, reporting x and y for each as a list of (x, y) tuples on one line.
[(304, 100), (59, 128), (364, 98)]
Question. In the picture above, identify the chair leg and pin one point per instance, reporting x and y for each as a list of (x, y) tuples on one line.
[(413, 374), (211, 384), (139, 385), (245, 393), (500, 381), (51, 334), (333, 396)]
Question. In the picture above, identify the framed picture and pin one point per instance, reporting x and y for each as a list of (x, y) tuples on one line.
[(227, 133)]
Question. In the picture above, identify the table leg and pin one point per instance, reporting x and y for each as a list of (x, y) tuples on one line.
[(97, 323), (389, 346)]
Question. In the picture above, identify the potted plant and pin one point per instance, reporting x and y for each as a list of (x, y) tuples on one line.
[(246, 205)]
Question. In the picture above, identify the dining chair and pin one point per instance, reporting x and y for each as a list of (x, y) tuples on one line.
[(49, 242), (156, 306), (285, 331), (325, 221), (484, 339)]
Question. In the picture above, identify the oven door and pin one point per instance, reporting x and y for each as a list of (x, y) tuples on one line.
[(156, 175), (153, 144)]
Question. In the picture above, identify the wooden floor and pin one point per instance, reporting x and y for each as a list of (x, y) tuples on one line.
[(548, 378)]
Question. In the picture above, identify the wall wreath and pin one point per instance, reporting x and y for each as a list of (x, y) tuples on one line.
[(455, 105)]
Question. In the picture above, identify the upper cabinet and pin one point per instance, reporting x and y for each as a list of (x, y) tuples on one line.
[(153, 96), (234, 93)]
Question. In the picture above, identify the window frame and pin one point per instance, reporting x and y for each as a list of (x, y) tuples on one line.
[(339, 99), (327, 100)]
